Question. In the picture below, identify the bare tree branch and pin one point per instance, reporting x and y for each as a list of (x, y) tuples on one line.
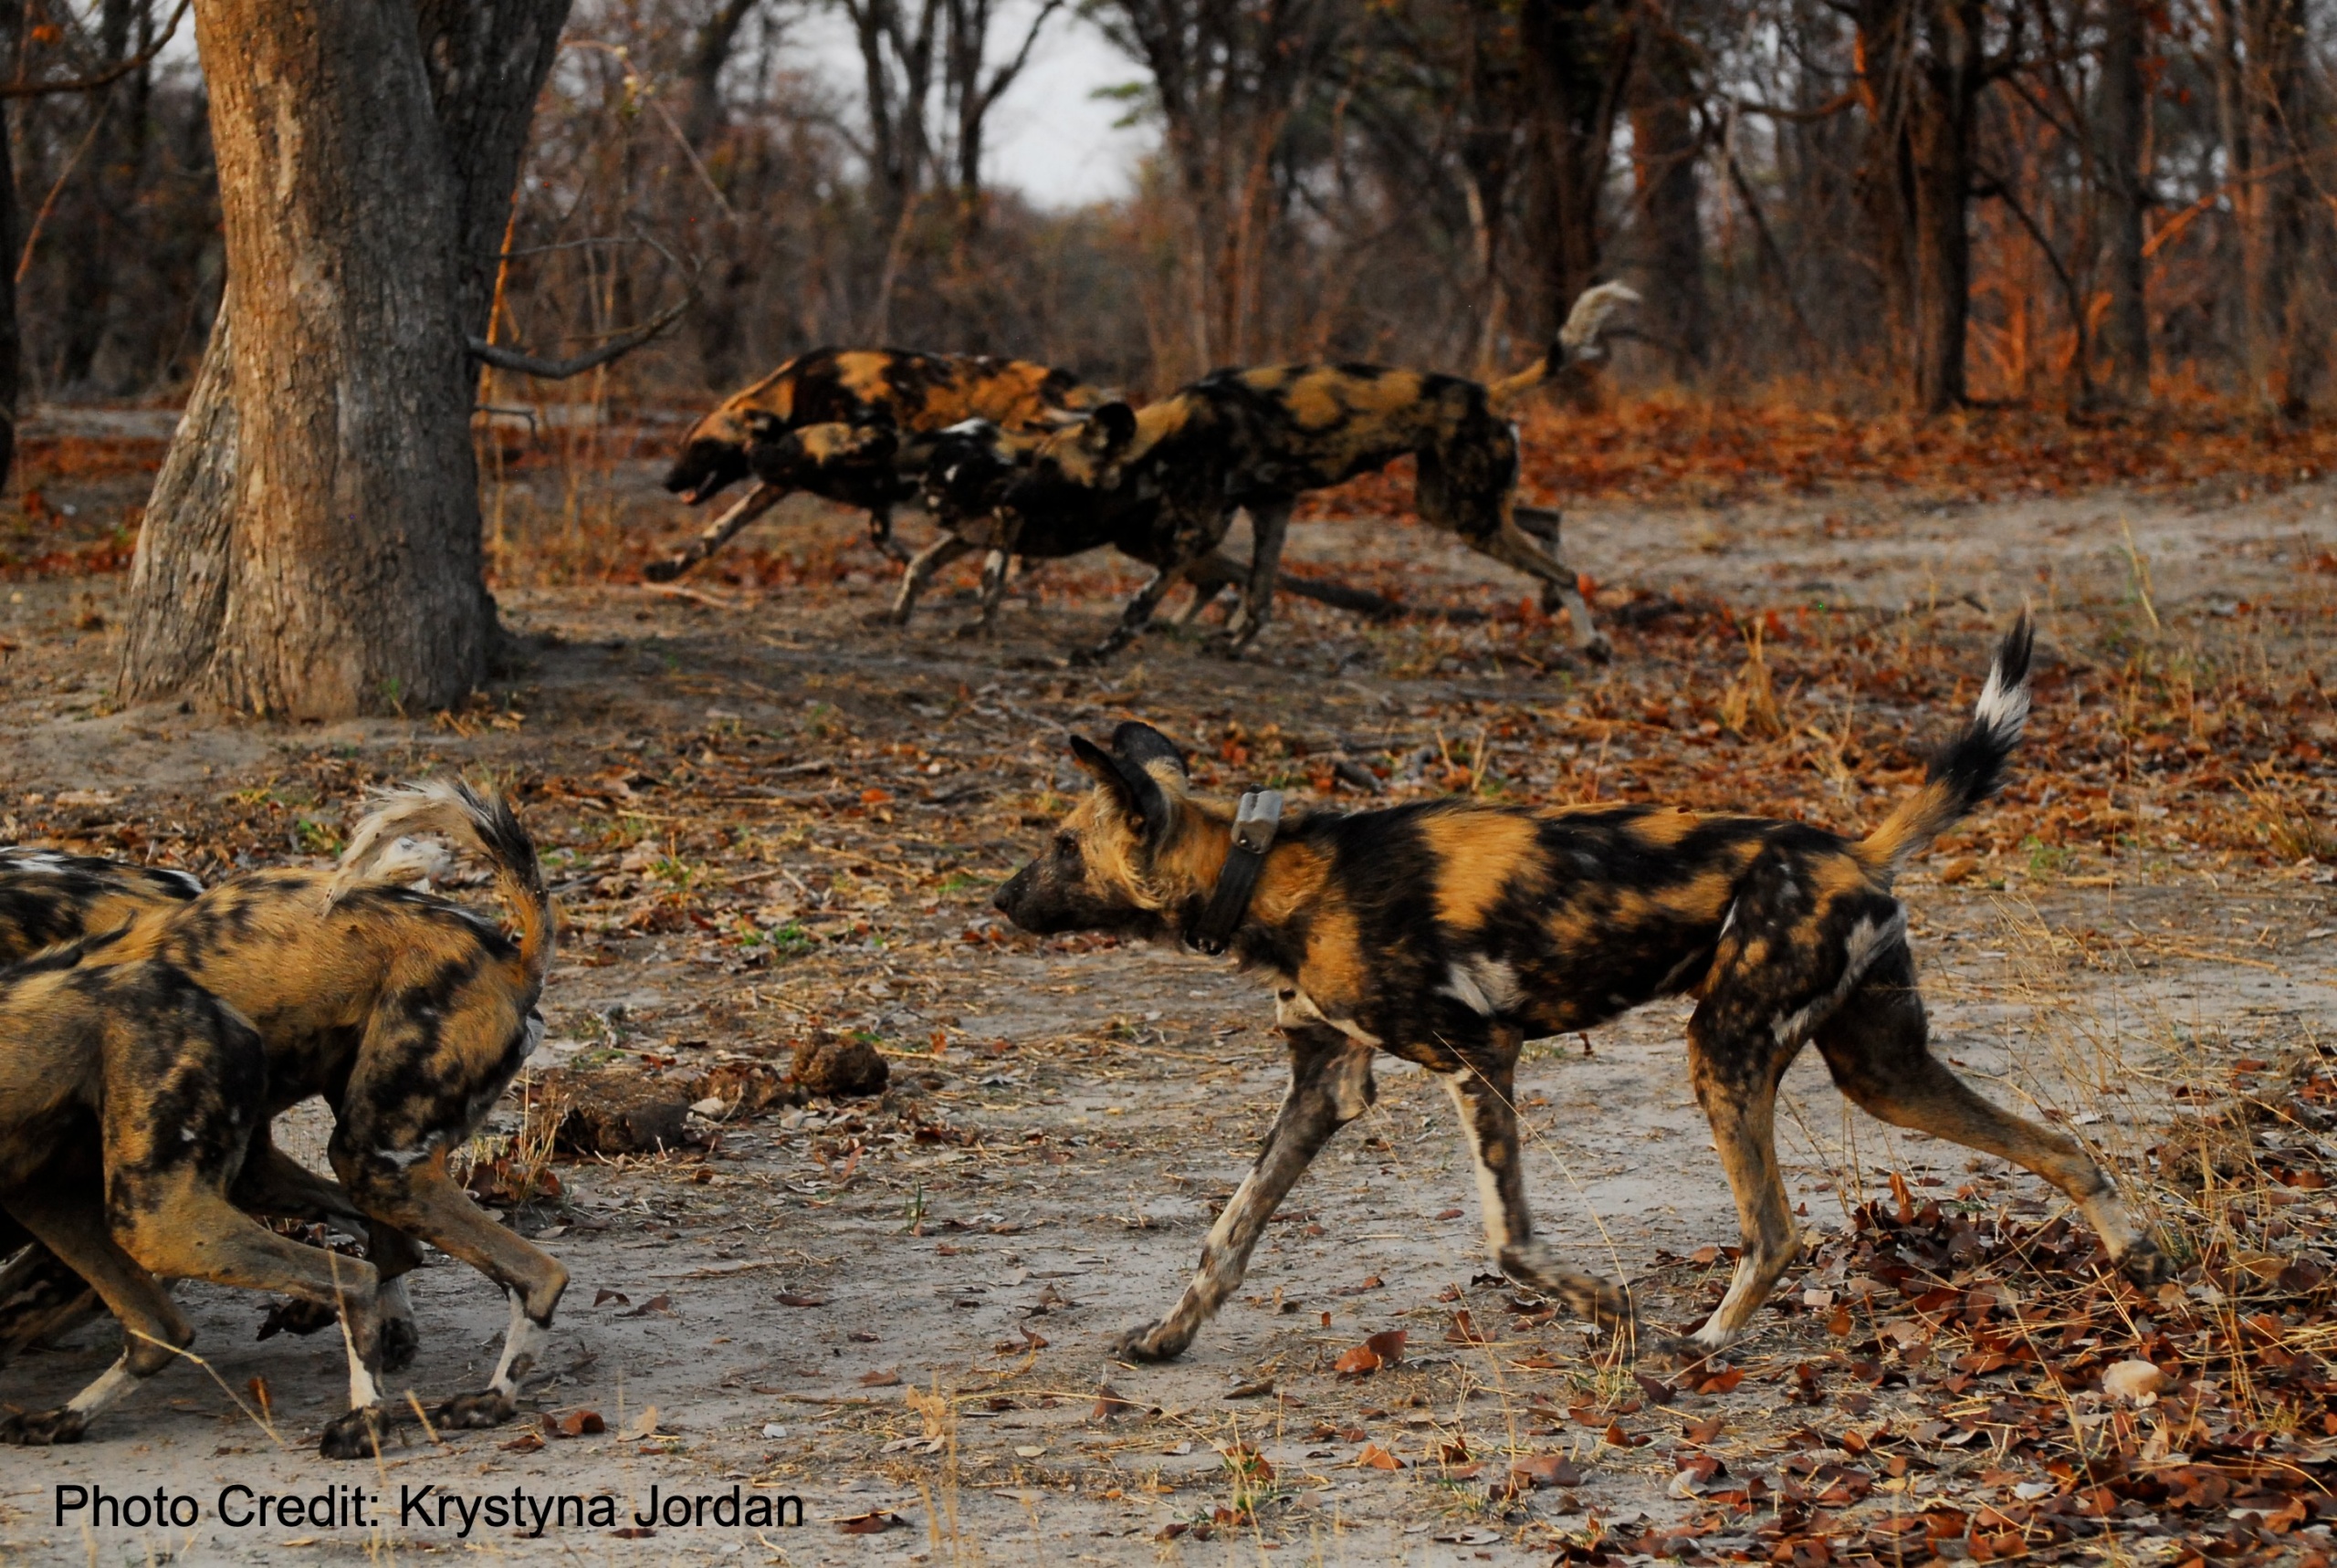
[(106, 77), (616, 348)]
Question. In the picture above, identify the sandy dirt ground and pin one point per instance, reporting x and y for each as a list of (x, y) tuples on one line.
[(766, 816)]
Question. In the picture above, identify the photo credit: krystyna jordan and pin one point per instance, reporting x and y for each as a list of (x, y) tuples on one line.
[(416, 1507)]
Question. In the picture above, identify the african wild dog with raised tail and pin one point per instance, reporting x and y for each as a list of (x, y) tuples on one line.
[(845, 425), (1447, 932), (1161, 482), (410, 1014)]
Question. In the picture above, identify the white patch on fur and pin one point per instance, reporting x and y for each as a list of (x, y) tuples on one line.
[(2002, 710), (1293, 1005), (1867, 941), (1487, 986), (113, 1386), (520, 1344), (192, 885), (1488, 1203), (363, 1392)]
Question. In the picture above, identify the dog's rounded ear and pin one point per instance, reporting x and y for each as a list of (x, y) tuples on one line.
[(1111, 428), (1144, 746), (1136, 793)]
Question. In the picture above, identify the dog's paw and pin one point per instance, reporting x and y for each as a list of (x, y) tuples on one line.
[(44, 1429), (1153, 1341), (1598, 649), (401, 1341), (664, 570), (468, 1412), (2147, 1264), (358, 1434), (1676, 1351)]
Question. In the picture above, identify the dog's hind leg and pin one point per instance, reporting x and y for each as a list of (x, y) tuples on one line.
[(921, 568), (1269, 526), (1137, 616), (1330, 1085), (1488, 1123), (1877, 1045), (69, 1220)]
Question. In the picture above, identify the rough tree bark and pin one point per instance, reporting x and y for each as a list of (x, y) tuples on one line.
[(2264, 85), (1664, 150), (312, 547), (2124, 118), (12, 336)]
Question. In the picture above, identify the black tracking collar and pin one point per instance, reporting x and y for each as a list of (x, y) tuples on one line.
[(1253, 834)]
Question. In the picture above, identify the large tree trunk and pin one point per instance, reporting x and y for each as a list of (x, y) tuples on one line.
[(1664, 149), (2267, 114), (312, 545), (2122, 121)]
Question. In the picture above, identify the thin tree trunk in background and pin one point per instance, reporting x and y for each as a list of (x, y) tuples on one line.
[(12, 335), (2124, 118), (1664, 150), (1578, 54), (1940, 144)]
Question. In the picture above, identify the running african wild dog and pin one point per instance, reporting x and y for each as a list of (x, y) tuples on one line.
[(844, 424), (410, 1014), (1447, 932), (1170, 474), (128, 1100), (48, 899)]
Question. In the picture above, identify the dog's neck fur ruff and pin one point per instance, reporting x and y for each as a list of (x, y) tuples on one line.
[(1212, 928)]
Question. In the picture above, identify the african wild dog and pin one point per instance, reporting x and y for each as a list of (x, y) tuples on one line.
[(128, 1096), (1172, 473), (875, 400), (48, 899), (410, 1014), (1447, 932)]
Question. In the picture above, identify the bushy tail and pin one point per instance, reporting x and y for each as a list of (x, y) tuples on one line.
[(1969, 771), (1581, 341), (379, 851)]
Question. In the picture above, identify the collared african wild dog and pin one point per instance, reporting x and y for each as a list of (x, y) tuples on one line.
[(410, 1014), (869, 394), (48, 899), (1447, 932), (1257, 439), (127, 1101)]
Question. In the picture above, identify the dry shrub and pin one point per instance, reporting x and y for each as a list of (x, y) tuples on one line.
[(1749, 705)]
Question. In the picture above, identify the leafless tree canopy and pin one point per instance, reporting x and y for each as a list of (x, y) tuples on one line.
[(1913, 201)]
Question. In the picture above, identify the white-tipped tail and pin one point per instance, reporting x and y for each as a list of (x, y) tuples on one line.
[(1587, 322), (382, 850)]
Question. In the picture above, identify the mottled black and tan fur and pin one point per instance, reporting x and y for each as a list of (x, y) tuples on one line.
[(128, 1096), (1449, 932), (1161, 482), (48, 899), (410, 1015), (842, 424)]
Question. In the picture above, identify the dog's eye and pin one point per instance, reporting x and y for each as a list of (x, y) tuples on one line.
[(1066, 848)]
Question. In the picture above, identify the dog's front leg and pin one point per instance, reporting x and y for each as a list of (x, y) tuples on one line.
[(421, 1199), (1482, 1093), (1512, 545), (880, 534), (69, 1220), (927, 561), (1736, 1081), (720, 532), (994, 571), (271, 1182), (1330, 1085)]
